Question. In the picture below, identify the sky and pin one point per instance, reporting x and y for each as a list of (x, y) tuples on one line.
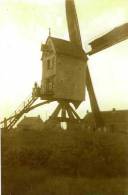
[(24, 26)]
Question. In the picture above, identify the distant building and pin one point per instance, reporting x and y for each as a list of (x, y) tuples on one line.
[(31, 123), (115, 120)]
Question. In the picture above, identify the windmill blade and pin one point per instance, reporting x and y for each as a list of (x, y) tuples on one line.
[(75, 37), (73, 25), (113, 37)]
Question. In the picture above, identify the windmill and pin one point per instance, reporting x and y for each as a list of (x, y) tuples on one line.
[(66, 75)]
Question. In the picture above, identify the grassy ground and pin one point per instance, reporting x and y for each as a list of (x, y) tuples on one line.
[(55, 162), (23, 180)]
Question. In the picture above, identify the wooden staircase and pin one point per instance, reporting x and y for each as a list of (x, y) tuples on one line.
[(9, 123)]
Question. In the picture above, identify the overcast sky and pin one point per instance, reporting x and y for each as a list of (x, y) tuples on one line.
[(24, 26)]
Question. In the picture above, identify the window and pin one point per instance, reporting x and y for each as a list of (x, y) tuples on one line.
[(48, 64), (53, 61), (50, 85)]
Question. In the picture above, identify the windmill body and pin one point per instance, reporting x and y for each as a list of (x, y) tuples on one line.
[(63, 71)]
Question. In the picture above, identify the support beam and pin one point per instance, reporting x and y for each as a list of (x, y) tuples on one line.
[(56, 112), (63, 113), (69, 111), (93, 101), (73, 111), (64, 107)]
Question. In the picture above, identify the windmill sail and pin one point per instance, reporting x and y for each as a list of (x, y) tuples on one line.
[(75, 37), (113, 37), (73, 25)]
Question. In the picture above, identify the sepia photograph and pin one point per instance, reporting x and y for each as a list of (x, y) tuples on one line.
[(64, 97)]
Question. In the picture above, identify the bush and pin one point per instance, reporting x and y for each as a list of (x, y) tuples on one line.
[(90, 154)]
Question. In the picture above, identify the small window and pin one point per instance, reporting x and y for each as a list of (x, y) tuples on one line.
[(48, 64), (53, 61), (50, 85)]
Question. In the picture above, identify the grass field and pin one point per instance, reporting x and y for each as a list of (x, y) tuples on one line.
[(56, 162), (23, 180)]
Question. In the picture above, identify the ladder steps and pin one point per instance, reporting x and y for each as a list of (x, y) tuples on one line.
[(11, 121)]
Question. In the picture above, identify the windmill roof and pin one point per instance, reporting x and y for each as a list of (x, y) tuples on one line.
[(68, 48)]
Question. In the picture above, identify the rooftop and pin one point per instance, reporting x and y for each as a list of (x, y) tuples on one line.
[(68, 48), (120, 116), (30, 121)]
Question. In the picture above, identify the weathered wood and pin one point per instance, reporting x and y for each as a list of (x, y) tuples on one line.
[(73, 111), (63, 113), (73, 25), (56, 112), (69, 111), (111, 38), (61, 119), (93, 101)]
